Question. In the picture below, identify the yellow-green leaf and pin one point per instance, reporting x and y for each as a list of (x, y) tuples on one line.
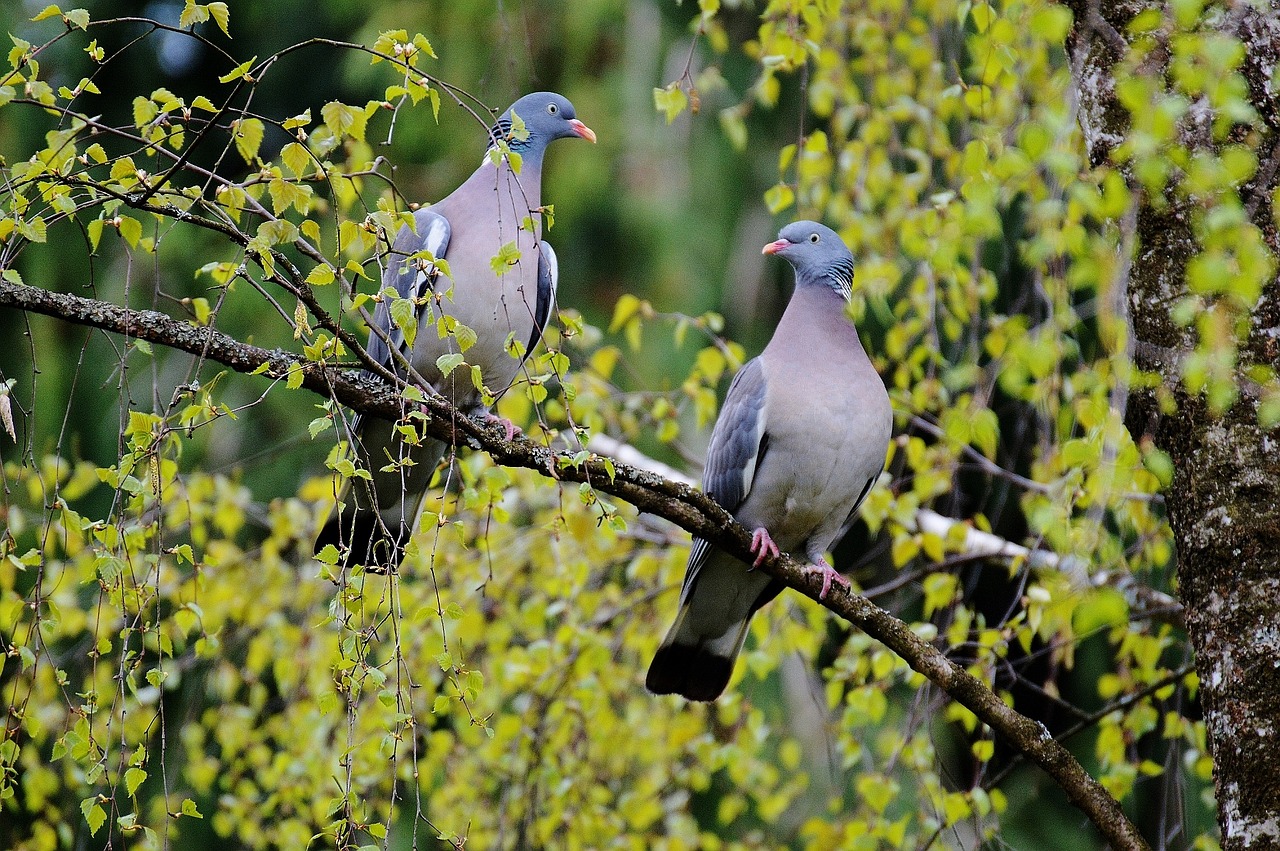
[(221, 16), (192, 14), (321, 275), (779, 197), (448, 363), (248, 135), (237, 72), (296, 157), (670, 100), (133, 779), (404, 313), (131, 230)]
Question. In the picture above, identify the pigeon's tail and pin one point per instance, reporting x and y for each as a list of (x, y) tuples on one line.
[(693, 666), (378, 511), (362, 538), (697, 656)]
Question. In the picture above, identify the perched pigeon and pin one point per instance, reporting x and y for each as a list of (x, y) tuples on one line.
[(799, 443), (494, 214)]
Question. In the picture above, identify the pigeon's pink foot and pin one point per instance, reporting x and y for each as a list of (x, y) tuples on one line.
[(510, 427), (829, 575), (762, 546)]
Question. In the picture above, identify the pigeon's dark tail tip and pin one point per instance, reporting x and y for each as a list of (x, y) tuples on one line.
[(365, 540), (693, 672)]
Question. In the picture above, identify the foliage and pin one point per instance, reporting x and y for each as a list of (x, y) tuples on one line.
[(180, 670)]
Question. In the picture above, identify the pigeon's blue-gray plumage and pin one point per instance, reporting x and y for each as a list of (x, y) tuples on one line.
[(798, 444), (496, 207)]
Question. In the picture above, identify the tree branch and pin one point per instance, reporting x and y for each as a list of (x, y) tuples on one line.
[(676, 501)]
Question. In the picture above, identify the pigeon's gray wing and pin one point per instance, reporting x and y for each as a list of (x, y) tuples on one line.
[(719, 593), (410, 274), (548, 278), (738, 445)]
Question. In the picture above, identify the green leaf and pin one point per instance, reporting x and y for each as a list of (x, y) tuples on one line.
[(302, 119), (321, 275), (779, 197), (343, 120), (131, 230), (628, 306), (189, 808), (465, 336), (985, 430), (1160, 464), (248, 136), (241, 70), (434, 97), (296, 157), (192, 14), (448, 363), (1101, 608), (221, 16), (33, 229), (670, 100), (420, 42), (982, 15), (939, 591), (518, 132), (506, 257), (404, 313), (94, 814), (734, 128), (133, 779)]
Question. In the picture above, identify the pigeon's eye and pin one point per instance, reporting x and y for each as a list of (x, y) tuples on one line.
[(813, 237), (552, 109)]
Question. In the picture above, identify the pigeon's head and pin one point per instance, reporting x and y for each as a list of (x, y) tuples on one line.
[(817, 253), (547, 116)]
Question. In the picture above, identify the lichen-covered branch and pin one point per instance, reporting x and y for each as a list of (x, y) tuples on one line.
[(675, 501)]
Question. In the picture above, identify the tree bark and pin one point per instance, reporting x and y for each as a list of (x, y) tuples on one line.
[(1224, 500)]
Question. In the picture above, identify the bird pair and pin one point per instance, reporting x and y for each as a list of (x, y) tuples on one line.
[(799, 442)]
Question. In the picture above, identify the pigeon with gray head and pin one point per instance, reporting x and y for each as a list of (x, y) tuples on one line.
[(495, 213), (799, 443)]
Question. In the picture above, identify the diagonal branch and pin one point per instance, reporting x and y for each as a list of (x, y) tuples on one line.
[(675, 501)]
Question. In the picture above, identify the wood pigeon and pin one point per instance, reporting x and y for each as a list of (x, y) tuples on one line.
[(498, 280), (800, 440)]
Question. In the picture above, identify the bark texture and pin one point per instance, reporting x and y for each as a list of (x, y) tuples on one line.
[(1224, 502)]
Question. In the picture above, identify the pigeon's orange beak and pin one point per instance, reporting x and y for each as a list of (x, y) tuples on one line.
[(583, 130), (774, 247)]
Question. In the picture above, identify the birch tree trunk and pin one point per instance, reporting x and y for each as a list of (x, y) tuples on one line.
[(1224, 501)]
